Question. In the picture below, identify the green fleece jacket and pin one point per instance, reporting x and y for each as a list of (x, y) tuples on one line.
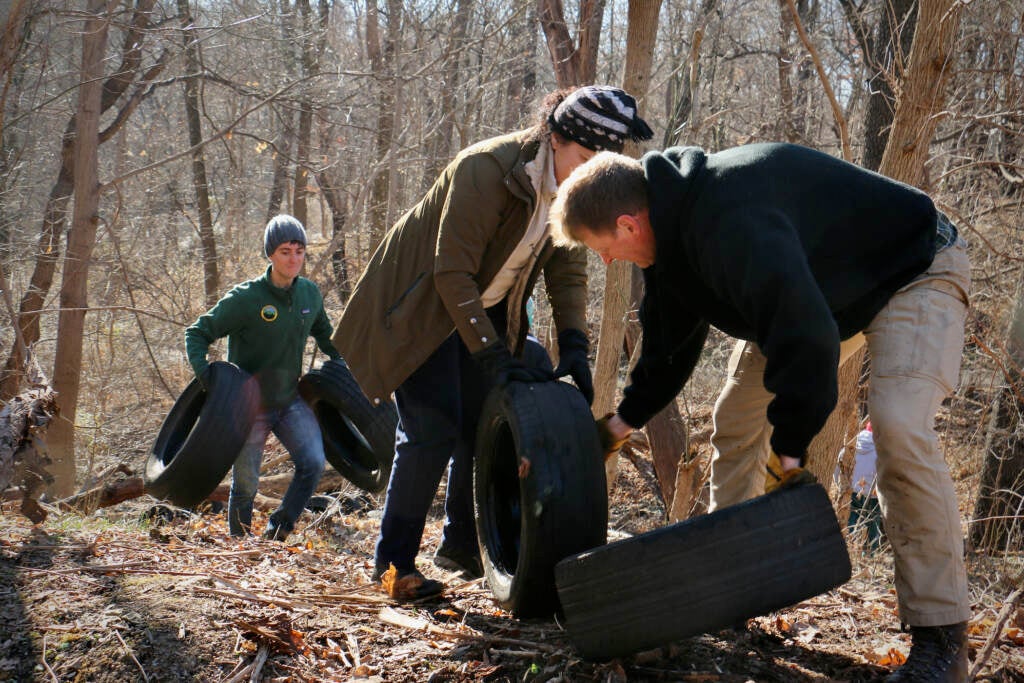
[(267, 328)]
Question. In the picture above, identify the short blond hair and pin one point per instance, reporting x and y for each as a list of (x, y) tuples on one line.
[(595, 195)]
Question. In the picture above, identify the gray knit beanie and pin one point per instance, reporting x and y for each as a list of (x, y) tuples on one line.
[(280, 230), (599, 117)]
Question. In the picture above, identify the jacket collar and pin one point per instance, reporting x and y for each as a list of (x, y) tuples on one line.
[(518, 180), (283, 293), (673, 182)]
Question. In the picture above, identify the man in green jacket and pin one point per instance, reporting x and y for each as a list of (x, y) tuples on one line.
[(439, 313), (267, 321)]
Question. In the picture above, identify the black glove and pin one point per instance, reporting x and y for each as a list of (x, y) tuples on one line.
[(572, 361), (501, 368)]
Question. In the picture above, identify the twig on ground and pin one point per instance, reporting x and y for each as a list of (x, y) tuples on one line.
[(997, 629), (46, 664), (257, 666), (131, 654)]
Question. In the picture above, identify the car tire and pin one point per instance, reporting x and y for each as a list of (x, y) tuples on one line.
[(704, 574), (202, 435), (359, 438), (539, 490)]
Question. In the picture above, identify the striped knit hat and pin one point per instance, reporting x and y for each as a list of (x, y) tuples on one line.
[(599, 117)]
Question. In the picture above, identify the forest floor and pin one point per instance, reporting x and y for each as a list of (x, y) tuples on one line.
[(128, 595)]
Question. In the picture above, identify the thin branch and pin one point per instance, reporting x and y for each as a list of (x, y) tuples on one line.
[(837, 112)]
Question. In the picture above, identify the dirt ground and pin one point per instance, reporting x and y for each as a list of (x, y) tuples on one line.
[(129, 595)]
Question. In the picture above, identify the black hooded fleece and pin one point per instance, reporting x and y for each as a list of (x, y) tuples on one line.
[(777, 244)]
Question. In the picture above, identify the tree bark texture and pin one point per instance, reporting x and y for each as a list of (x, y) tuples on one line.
[(207, 241), (640, 35), (923, 91), (887, 60), (439, 142), (999, 511), (48, 252), (81, 240), (573, 64)]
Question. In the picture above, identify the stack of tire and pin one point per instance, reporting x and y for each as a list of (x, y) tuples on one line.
[(205, 430)]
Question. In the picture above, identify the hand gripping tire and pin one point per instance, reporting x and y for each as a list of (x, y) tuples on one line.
[(202, 435), (704, 574), (539, 490), (359, 438)]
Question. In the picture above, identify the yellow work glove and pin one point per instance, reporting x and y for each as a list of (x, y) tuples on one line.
[(609, 444), (777, 479)]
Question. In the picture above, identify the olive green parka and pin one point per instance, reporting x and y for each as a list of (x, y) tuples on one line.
[(426, 277)]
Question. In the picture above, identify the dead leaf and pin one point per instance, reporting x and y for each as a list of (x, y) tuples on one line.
[(889, 654)]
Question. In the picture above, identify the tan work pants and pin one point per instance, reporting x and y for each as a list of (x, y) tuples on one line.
[(915, 344)]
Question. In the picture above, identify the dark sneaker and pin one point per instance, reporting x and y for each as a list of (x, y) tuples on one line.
[(938, 654), (455, 560), (407, 586)]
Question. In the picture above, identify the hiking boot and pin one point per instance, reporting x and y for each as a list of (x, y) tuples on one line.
[(456, 560), (407, 586), (938, 654)]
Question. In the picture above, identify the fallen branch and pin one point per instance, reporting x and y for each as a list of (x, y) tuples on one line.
[(105, 495), (997, 629)]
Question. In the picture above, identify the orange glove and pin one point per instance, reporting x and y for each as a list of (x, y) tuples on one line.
[(609, 444), (777, 480)]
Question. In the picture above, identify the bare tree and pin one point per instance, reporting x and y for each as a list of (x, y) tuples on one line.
[(81, 240), (208, 243), (130, 71), (573, 64), (641, 32)]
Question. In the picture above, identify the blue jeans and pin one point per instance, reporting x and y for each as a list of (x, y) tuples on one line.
[(298, 431), (438, 411)]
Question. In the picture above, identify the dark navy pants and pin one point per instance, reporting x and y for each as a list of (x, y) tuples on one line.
[(438, 411)]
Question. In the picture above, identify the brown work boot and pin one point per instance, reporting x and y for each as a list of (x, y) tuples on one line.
[(938, 654)]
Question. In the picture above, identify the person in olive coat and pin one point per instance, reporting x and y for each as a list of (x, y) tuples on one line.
[(439, 315)]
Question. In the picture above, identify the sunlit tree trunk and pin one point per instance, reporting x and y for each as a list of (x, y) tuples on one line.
[(642, 30), (81, 240), (48, 251), (574, 64), (211, 278)]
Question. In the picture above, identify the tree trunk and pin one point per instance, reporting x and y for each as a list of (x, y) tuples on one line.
[(999, 513), (383, 61), (923, 93), (574, 65), (640, 35), (81, 240), (887, 59), (55, 214), (311, 39), (522, 70), (439, 141), (208, 243)]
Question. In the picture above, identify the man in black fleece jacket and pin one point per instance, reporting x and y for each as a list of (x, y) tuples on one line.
[(802, 257)]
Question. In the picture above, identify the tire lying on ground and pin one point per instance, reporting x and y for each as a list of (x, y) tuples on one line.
[(359, 438), (202, 435), (539, 490), (704, 574)]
